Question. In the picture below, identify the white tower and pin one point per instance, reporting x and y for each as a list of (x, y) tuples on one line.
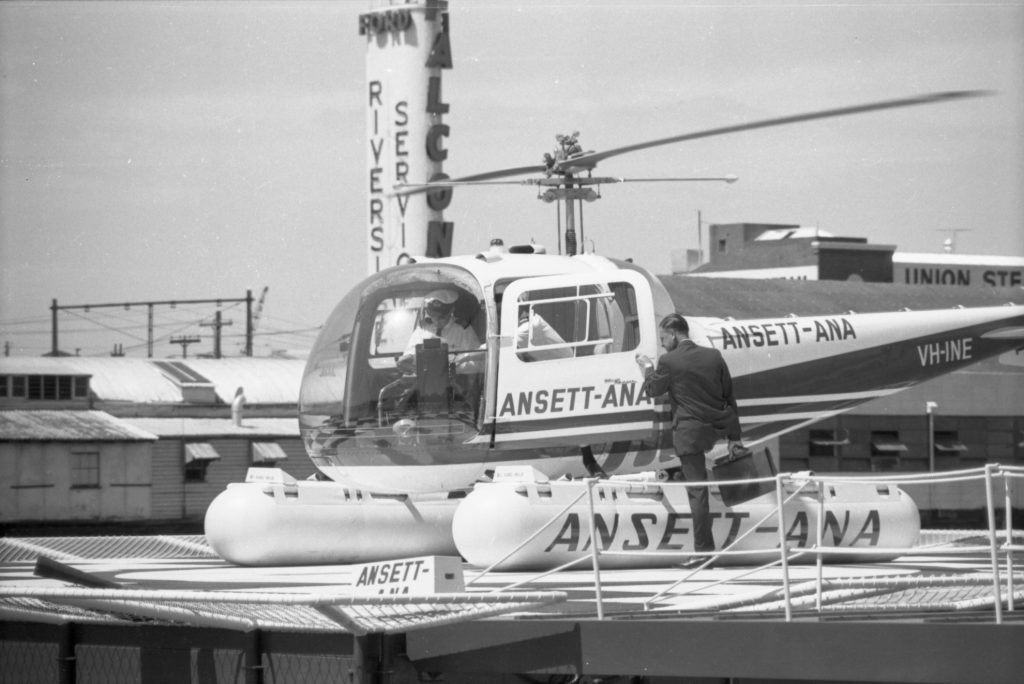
[(407, 46)]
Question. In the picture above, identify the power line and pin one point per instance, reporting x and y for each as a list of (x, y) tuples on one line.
[(150, 309)]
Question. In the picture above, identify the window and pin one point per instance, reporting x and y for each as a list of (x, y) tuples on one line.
[(886, 450), (45, 387), (948, 449), (49, 386), (198, 456), (825, 443), (947, 442), (887, 443), (85, 469), (584, 320)]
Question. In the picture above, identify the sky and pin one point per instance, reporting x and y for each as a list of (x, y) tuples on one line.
[(159, 151)]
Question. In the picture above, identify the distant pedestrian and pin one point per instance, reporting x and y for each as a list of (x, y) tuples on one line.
[(237, 406)]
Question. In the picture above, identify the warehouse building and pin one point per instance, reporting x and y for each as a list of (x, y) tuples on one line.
[(102, 440)]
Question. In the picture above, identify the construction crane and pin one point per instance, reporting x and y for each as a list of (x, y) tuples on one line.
[(259, 307)]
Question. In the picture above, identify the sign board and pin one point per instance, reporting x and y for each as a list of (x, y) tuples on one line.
[(520, 473), (407, 47), (269, 475), (418, 576)]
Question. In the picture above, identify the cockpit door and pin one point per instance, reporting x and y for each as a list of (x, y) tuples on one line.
[(567, 367)]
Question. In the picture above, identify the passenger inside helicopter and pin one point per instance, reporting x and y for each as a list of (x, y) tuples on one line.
[(536, 340)]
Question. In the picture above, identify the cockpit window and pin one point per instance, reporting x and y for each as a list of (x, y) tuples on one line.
[(394, 322), (406, 345), (414, 314)]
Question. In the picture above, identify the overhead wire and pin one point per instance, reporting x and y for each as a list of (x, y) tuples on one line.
[(166, 322)]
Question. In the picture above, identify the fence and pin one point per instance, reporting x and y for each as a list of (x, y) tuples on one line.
[(177, 636), (112, 635), (787, 486)]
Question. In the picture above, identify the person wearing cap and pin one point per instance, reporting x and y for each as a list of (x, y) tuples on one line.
[(704, 409), (437, 319)]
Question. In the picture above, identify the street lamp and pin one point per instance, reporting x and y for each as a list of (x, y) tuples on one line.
[(929, 408)]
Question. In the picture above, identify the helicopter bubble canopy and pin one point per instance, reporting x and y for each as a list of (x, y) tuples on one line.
[(396, 376)]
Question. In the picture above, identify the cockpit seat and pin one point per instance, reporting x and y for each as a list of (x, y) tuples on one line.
[(427, 391), (432, 379)]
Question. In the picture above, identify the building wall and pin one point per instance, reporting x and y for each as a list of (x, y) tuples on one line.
[(734, 246), (987, 439), (139, 481), (175, 499), (958, 270), (37, 482), (869, 266)]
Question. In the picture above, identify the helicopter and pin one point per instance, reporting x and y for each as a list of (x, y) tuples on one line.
[(604, 312), (420, 428)]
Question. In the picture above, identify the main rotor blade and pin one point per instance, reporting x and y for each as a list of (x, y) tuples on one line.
[(402, 189), (502, 173), (725, 179), (479, 179), (591, 159), (411, 188)]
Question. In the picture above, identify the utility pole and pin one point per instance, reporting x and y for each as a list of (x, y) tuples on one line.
[(55, 308), (216, 325), (248, 323), (700, 238), (185, 341), (53, 328)]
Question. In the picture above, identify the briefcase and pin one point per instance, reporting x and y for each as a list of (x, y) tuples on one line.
[(744, 464)]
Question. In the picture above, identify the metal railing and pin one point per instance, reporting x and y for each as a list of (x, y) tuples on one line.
[(340, 611), (788, 486)]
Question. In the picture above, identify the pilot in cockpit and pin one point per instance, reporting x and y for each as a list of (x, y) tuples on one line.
[(437, 320)]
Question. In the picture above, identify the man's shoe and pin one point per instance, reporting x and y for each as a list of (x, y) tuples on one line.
[(697, 561)]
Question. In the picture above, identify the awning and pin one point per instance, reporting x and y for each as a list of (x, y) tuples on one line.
[(267, 452), (830, 437), (889, 447), (200, 451), (950, 446), (830, 442)]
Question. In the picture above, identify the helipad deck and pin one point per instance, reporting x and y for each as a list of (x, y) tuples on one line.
[(925, 617)]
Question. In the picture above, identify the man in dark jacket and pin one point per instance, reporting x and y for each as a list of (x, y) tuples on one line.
[(699, 386)]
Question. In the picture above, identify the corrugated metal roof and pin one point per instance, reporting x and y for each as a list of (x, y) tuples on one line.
[(217, 427), (141, 381), (68, 426), (265, 381)]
